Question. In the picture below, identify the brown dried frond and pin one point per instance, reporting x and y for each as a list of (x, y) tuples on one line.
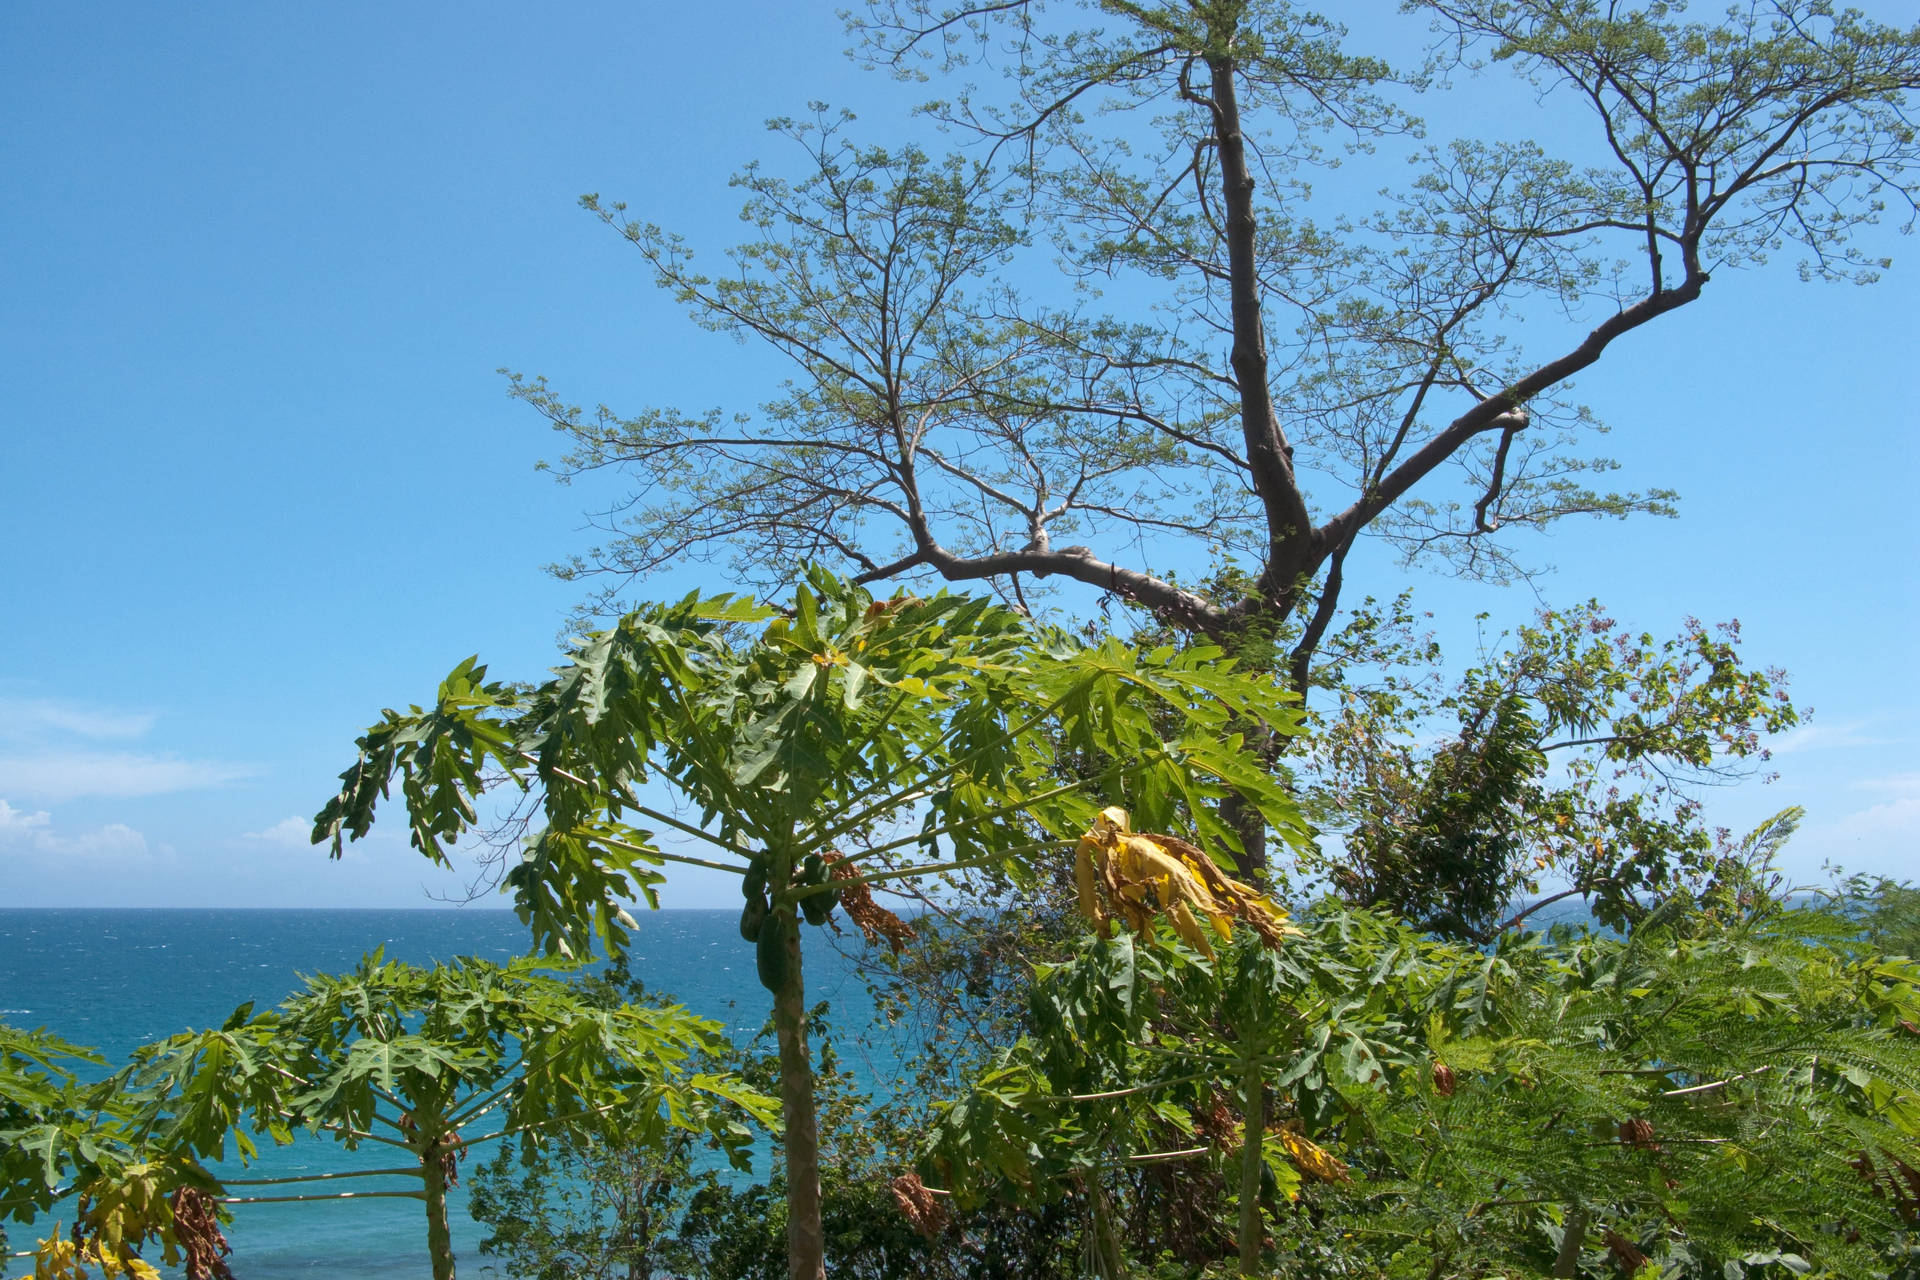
[(874, 920), (1894, 1179), (1215, 1123), (1638, 1134), (1904, 1181), (452, 1151), (197, 1228), (1624, 1251), (919, 1205)]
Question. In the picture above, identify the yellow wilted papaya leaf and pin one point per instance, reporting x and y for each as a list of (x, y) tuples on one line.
[(1086, 880), (1187, 927), (57, 1259), (1235, 901), (60, 1259), (1143, 862), (1141, 874), (1310, 1158)]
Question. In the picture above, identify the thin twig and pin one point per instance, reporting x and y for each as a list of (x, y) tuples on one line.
[(410, 1172), (1139, 1088), (1717, 1084), (338, 1195), (1155, 1157)]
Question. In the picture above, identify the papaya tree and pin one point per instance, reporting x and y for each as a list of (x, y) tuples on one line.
[(821, 752), (425, 1062), (37, 1073), (74, 1139), (58, 1132)]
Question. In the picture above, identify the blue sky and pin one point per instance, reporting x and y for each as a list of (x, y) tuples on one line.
[(261, 479)]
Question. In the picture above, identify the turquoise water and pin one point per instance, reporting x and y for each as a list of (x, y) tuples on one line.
[(117, 979)]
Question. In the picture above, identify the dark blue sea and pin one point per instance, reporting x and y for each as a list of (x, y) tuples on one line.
[(117, 979)]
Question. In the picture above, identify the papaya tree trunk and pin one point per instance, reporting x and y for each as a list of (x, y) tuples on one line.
[(1250, 862), (1567, 1262), (806, 1243), (434, 1176), (1253, 1138)]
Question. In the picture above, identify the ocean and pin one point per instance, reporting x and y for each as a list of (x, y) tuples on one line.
[(114, 980)]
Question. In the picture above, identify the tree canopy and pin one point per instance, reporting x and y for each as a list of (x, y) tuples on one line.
[(1280, 380)]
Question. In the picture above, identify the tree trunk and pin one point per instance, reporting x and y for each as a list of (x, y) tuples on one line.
[(1290, 533), (1253, 1138), (806, 1244), (434, 1176), (1250, 864), (639, 1232), (1103, 1257), (1567, 1264)]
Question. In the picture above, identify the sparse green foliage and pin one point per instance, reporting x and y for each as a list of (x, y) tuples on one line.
[(1708, 1093), (1297, 359), (1144, 1053), (605, 1209), (1888, 913), (1574, 753), (390, 1056)]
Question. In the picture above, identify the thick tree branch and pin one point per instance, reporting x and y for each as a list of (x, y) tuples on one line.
[(1504, 412), (1289, 527)]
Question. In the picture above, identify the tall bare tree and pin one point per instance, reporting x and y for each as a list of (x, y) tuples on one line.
[(1285, 383)]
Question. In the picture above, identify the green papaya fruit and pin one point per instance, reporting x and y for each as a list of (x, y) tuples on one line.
[(819, 906), (770, 954), (754, 883), (753, 918)]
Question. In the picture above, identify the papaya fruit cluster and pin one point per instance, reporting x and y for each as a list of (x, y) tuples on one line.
[(766, 928)]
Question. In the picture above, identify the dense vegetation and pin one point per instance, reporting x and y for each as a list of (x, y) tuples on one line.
[(1130, 1062)]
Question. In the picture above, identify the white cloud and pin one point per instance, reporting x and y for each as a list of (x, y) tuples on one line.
[(14, 822), (53, 751), (48, 753), (1880, 839), (58, 776), (23, 718), (1826, 737), (32, 835), (1898, 784), (292, 833), (1889, 828), (115, 842)]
